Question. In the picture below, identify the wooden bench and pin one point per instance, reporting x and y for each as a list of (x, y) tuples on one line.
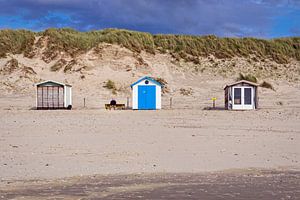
[(117, 106)]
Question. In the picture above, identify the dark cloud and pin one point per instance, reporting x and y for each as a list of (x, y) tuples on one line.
[(220, 17)]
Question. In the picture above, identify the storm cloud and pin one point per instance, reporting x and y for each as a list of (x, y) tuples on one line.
[(233, 18)]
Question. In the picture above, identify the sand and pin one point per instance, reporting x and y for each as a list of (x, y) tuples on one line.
[(85, 141), (250, 185)]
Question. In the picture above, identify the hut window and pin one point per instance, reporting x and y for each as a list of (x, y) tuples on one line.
[(237, 96), (146, 82), (248, 96)]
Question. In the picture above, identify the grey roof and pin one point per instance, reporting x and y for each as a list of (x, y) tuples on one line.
[(50, 81), (242, 81)]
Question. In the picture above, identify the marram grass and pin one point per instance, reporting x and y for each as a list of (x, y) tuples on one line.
[(280, 50)]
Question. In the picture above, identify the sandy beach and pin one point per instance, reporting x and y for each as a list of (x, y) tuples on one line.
[(61, 143), (149, 99), (239, 184), (44, 146)]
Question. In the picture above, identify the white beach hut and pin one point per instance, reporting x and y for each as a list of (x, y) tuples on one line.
[(146, 94), (53, 95), (241, 95)]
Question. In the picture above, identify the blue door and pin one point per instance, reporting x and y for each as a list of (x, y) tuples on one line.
[(147, 97)]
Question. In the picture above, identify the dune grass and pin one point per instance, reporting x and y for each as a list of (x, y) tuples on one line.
[(15, 41), (72, 41), (111, 85), (247, 77), (267, 85)]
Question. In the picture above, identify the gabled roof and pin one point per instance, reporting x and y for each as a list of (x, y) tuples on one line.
[(242, 81), (55, 82), (146, 78)]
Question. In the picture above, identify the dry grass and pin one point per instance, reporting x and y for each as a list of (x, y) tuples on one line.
[(247, 77), (186, 92), (267, 85), (185, 47), (164, 84), (10, 66), (16, 41), (58, 65), (69, 66), (111, 85), (29, 70)]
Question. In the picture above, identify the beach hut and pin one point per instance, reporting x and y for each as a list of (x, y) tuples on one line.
[(146, 94), (53, 95), (241, 95)]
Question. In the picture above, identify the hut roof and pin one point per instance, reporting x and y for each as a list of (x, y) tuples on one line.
[(55, 82), (242, 81), (146, 78)]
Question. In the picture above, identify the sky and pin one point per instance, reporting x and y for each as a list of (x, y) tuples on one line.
[(224, 18)]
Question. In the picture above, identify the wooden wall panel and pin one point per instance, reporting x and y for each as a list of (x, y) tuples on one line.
[(39, 97), (45, 97), (50, 97), (55, 97), (61, 97)]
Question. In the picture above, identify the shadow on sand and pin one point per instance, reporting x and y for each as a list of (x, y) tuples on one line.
[(245, 184), (214, 108)]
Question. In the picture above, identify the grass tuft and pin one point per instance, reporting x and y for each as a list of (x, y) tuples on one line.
[(186, 92), (111, 86), (164, 84), (58, 65), (267, 85), (247, 77)]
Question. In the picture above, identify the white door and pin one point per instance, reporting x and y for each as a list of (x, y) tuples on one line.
[(248, 100), (243, 98)]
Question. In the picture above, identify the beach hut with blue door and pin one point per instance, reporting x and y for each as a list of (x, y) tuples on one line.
[(146, 94)]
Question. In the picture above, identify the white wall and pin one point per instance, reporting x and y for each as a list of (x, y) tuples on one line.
[(158, 97), (135, 94), (243, 106), (135, 97), (67, 96)]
